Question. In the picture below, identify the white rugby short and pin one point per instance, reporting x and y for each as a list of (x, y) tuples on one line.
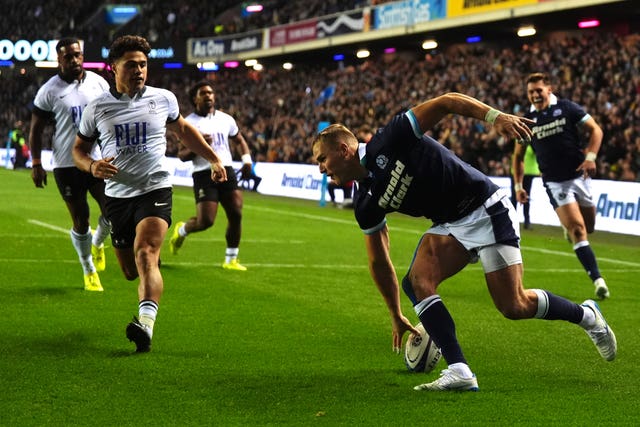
[(490, 233), (565, 192)]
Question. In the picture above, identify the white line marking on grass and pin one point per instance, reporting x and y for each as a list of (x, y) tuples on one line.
[(329, 219), (49, 226), (399, 268), (215, 239), (572, 254), (38, 261), (343, 221), (419, 233)]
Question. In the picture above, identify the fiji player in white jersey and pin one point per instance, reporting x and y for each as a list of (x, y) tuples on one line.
[(129, 123), (401, 169), (218, 128), (62, 99)]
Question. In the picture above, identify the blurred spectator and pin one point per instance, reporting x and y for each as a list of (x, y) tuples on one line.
[(19, 144), (599, 70)]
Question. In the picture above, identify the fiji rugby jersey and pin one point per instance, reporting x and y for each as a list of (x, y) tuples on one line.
[(412, 173), (556, 141), (133, 131), (64, 102), (220, 126)]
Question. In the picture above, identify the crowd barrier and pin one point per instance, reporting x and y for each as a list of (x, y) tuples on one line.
[(617, 202)]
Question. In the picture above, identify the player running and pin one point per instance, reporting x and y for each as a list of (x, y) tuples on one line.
[(566, 167), (217, 128), (62, 99)]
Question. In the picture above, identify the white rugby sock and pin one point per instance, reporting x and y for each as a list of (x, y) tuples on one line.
[(147, 312), (82, 245), (461, 369), (230, 254), (588, 318), (102, 231)]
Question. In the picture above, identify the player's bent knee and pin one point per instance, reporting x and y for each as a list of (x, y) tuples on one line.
[(407, 287)]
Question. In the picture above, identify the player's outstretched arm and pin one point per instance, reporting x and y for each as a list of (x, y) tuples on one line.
[(517, 168), (194, 141), (384, 275), (429, 113)]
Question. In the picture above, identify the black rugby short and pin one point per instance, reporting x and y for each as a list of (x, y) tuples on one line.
[(205, 190), (73, 184), (126, 213)]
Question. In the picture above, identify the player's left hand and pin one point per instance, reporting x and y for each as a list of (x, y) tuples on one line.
[(514, 127), (588, 168), (39, 175), (218, 172), (401, 325)]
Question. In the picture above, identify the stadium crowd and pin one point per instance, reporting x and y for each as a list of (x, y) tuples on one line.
[(280, 109)]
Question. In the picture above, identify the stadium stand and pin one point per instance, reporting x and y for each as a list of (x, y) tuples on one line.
[(280, 109)]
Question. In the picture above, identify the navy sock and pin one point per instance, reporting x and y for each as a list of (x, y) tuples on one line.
[(587, 259), (553, 307), (440, 326)]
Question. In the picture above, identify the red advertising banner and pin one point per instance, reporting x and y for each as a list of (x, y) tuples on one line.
[(294, 33)]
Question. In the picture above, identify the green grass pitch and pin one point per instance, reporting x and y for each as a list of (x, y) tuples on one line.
[(301, 338)]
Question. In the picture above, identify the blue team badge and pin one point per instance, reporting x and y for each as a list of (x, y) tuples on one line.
[(152, 106), (557, 112), (562, 196), (382, 161)]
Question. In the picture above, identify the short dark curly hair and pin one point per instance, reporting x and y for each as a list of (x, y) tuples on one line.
[(194, 90), (66, 41), (124, 44)]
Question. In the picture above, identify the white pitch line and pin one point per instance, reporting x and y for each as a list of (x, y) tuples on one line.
[(399, 268), (342, 221), (215, 239), (572, 254), (49, 226)]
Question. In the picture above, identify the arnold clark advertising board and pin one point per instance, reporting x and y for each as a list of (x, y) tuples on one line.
[(617, 203)]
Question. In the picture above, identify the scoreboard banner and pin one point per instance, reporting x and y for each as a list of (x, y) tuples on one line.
[(467, 7)]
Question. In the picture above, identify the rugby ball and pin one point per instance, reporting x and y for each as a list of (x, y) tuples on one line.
[(420, 353)]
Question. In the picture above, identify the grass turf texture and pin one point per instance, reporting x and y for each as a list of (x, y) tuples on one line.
[(301, 338)]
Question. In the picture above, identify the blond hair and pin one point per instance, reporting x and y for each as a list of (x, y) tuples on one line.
[(333, 134)]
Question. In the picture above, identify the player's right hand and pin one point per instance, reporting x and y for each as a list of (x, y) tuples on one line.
[(39, 176), (522, 196), (400, 325)]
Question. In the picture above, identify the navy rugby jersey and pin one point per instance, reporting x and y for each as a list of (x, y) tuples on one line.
[(412, 173), (556, 141)]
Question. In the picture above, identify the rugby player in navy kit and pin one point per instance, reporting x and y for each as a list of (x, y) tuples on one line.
[(401, 169), (566, 167)]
